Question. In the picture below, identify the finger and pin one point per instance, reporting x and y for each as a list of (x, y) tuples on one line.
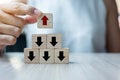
[(23, 1), (7, 40), (30, 19), (11, 20), (10, 30), (19, 9)]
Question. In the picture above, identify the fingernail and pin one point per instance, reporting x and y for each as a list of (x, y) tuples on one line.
[(36, 12)]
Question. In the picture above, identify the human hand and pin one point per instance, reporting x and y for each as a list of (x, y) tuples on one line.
[(11, 24)]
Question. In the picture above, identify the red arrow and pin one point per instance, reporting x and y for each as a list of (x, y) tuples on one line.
[(44, 19)]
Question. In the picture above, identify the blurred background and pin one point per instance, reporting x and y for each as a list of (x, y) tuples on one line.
[(25, 38)]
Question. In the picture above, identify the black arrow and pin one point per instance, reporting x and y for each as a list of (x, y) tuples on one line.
[(31, 55), (46, 57), (39, 42), (53, 42), (61, 57)]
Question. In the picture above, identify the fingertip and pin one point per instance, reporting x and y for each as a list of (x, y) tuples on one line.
[(30, 19), (37, 13)]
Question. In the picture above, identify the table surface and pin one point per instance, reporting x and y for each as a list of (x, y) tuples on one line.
[(99, 66)]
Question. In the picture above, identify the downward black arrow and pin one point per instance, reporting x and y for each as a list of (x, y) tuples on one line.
[(53, 42), (39, 42), (31, 55), (46, 57), (61, 57)]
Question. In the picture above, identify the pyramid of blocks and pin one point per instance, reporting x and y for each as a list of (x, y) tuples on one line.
[(46, 48)]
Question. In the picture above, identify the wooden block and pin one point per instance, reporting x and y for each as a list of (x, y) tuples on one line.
[(46, 56), (62, 55), (39, 41), (46, 21), (31, 55), (54, 41)]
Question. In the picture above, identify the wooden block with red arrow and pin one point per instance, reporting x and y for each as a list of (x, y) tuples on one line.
[(46, 21)]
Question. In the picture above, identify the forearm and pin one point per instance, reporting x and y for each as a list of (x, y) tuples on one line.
[(113, 40), (113, 30)]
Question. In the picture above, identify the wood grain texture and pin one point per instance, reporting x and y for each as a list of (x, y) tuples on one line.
[(58, 40), (81, 67), (35, 57), (49, 21), (43, 40), (49, 58), (64, 58)]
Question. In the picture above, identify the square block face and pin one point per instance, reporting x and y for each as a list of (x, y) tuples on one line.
[(54, 41), (46, 56), (31, 55), (62, 56), (46, 21), (39, 41)]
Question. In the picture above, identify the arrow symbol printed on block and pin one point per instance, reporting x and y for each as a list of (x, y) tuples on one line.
[(61, 57), (31, 55), (53, 41), (39, 42), (46, 57), (44, 19)]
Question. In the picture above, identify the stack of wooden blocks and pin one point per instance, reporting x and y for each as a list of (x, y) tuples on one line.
[(46, 48)]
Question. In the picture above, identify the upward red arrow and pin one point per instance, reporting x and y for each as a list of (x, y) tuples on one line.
[(44, 19)]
